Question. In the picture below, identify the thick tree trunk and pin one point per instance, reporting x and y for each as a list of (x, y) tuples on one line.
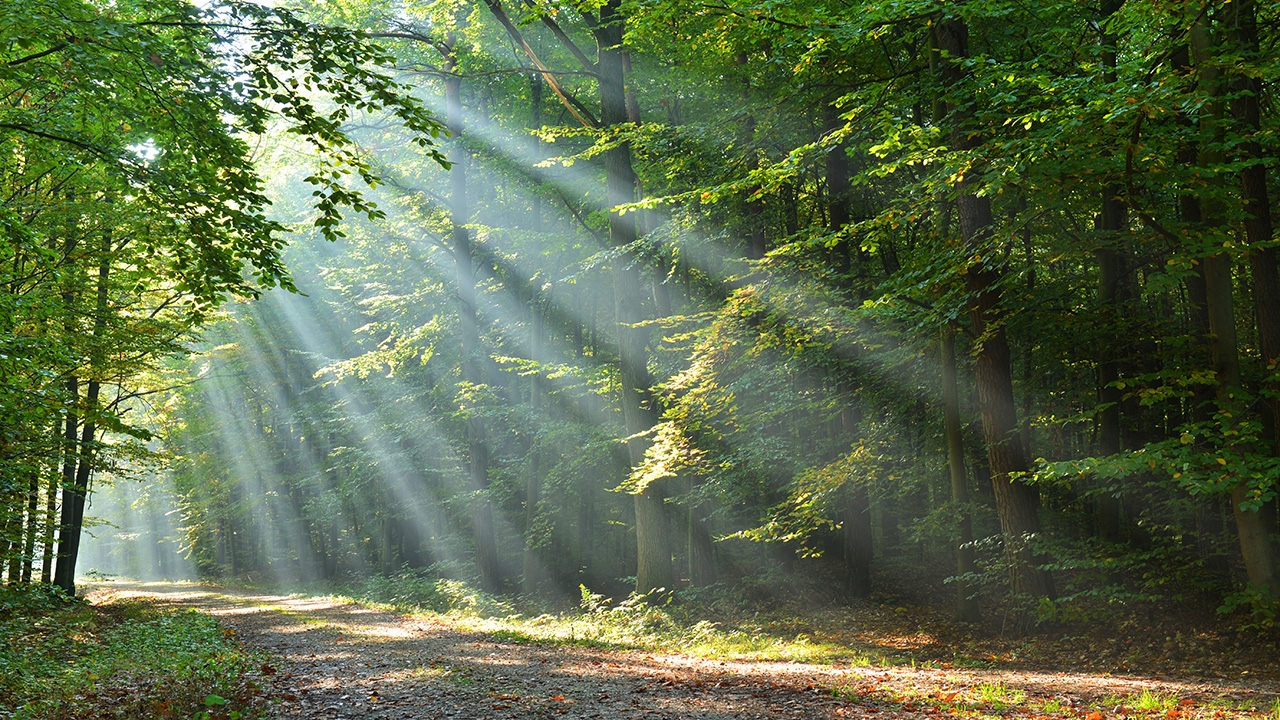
[(653, 556), (486, 548), (75, 493), (702, 568), (1251, 527), (1016, 502), (1246, 108), (757, 245)]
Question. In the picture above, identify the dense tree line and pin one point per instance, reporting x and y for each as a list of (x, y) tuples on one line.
[(735, 291), (131, 209)]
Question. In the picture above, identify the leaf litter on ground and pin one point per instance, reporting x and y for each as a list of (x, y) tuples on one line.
[(334, 657)]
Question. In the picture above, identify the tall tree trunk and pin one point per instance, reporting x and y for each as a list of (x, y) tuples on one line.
[(486, 547), (1251, 526), (838, 189), (653, 556), (966, 608), (75, 493), (67, 452), (1016, 502), (1190, 216), (702, 568), (855, 512), (33, 526), (11, 537), (1246, 108), (855, 516)]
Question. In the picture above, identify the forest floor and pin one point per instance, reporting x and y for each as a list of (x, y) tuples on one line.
[(327, 659)]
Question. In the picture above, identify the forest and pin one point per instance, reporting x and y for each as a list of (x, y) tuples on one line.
[(974, 303)]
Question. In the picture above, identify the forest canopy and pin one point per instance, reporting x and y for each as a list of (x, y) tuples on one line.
[(646, 295)]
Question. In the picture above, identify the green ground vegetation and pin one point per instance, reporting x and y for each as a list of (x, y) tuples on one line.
[(121, 659)]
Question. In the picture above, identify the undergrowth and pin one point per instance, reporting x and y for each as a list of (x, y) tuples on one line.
[(674, 622), (63, 658)]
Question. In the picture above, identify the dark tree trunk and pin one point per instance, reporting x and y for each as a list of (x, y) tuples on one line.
[(33, 526), (1246, 108), (1251, 527), (702, 568), (74, 494), (653, 556), (11, 532), (1016, 502)]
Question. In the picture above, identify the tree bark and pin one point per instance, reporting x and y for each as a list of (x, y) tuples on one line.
[(33, 526), (75, 493), (702, 568), (1251, 527), (653, 556), (1016, 502), (1246, 108)]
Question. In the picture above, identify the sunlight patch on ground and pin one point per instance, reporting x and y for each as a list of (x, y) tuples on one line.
[(498, 660), (410, 674), (375, 633)]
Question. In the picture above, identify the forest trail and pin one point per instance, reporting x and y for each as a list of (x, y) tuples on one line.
[(334, 660)]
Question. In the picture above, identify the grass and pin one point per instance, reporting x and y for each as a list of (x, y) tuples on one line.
[(1148, 701), (998, 695), (654, 623), (62, 658)]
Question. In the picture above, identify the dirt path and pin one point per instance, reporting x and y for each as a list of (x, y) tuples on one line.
[(335, 660)]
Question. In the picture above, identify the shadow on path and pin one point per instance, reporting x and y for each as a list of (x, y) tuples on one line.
[(336, 660)]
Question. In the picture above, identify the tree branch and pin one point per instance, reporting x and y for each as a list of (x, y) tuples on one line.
[(574, 107), (564, 39), (36, 56)]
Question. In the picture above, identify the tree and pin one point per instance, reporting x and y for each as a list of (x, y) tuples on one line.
[(133, 116)]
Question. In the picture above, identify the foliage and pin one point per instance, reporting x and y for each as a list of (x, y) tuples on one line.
[(465, 384)]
